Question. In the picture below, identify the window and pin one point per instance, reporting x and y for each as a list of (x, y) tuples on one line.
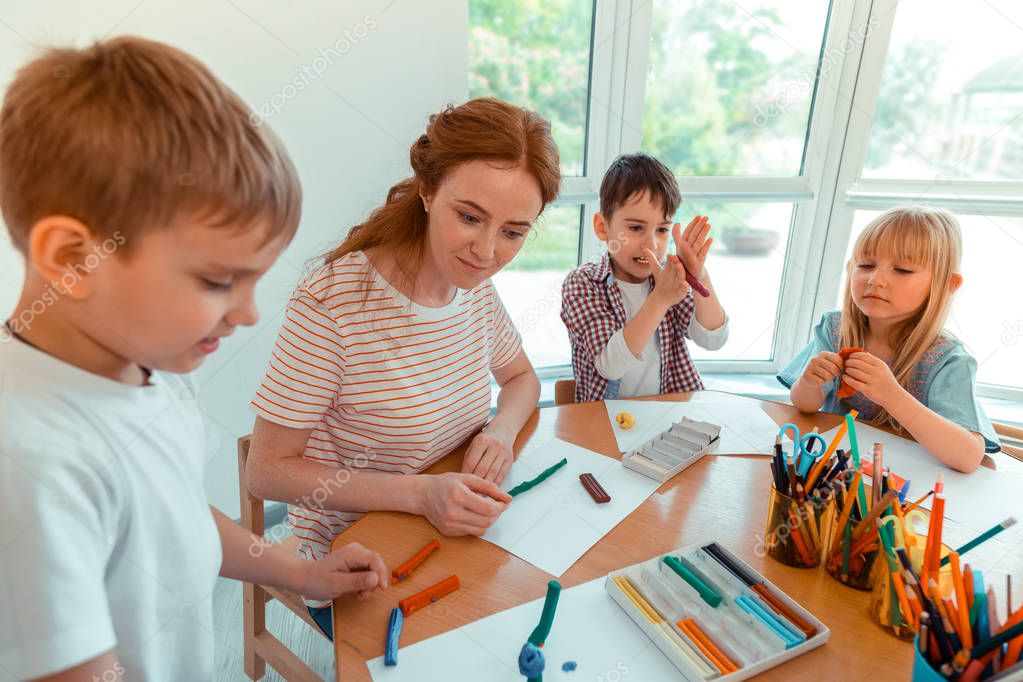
[(729, 87), (951, 96), (750, 243), (536, 53)]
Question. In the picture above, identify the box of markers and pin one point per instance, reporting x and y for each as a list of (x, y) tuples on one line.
[(712, 615)]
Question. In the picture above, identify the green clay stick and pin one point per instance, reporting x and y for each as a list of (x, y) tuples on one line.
[(526, 485), (550, 604)]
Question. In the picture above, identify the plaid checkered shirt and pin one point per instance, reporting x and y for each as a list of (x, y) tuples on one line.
[(592, 310)]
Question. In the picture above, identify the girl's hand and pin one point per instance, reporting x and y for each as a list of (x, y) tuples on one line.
[(872, 377), (352, 568), (462, 504), (692, 245), (670, 285), (822, 369), (490, 454)]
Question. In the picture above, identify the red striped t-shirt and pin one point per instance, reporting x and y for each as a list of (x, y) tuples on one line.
[(386, 385)]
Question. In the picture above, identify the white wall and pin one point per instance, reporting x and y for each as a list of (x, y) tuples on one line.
[(347, 117)]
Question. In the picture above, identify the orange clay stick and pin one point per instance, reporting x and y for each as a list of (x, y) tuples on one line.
[(429, 595), (405, 570)]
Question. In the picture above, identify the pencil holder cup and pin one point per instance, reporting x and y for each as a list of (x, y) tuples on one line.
[(922, 669), (792, 532), (855, 567), (887, 607)]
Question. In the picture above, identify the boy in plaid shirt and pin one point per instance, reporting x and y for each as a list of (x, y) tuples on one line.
[(628, 314)]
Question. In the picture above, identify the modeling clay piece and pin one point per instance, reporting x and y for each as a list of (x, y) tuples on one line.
[(393, 635), (625, 420), (594, 488), (844, 389), (531, 660), (568, 666), (405, 570), (429, 595), (544, 475)]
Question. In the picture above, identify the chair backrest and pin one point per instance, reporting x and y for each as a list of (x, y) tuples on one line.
[(564, 391), (1011, 438), (252, 506)]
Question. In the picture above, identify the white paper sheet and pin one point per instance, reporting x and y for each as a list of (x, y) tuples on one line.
[(745, 427), (555, 523), (978, 500), (589, 628)]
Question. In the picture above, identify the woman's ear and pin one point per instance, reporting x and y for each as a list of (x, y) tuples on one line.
[(426, 200), (58, 249), (955, 282)]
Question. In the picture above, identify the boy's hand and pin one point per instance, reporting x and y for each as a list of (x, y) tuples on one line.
[(822, 369), (871, 376), (692, 245), (352, 568), (462, 504), (670, 285), (490, 454)]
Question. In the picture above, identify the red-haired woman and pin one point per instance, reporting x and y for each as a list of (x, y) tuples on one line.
[(384, 361)]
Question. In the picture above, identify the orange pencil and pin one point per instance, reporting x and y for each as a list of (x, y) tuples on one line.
[(921, 500), (963, 612), (1015, 646), (797, 539), (405, 570), (429, 595), (900, 592), (968, 586)]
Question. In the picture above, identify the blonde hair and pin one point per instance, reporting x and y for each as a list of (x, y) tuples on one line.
[(923, 236), (129, 135)]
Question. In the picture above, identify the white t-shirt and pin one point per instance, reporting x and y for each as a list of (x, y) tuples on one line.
[(106, 538), (642, 375)]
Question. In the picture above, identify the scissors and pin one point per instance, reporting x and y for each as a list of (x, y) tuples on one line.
[(804, 453)]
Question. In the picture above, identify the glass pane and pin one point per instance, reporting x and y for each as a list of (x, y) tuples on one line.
[(951, 99), (530, 286), (750, 242), (536, 53), (992, 245), (729, 87)]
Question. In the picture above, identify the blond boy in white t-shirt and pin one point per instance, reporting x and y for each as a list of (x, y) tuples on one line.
[(146, 206)]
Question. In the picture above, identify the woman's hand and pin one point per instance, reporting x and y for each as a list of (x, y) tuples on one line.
[(490, 454), (462, 504), (871, 376)]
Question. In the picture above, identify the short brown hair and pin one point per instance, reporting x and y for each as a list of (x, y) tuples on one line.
[(638, 173), (130, 135)]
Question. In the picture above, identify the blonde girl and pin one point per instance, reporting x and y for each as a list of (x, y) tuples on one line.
[(911, 374)]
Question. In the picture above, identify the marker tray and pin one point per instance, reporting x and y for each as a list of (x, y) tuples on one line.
[(676, 448), (745, 639)]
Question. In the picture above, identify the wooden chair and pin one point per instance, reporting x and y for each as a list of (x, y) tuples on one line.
[(260, 646), (1011, 438), (564, 391)]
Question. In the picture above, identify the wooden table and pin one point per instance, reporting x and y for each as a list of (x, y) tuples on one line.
[(724, 497)]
